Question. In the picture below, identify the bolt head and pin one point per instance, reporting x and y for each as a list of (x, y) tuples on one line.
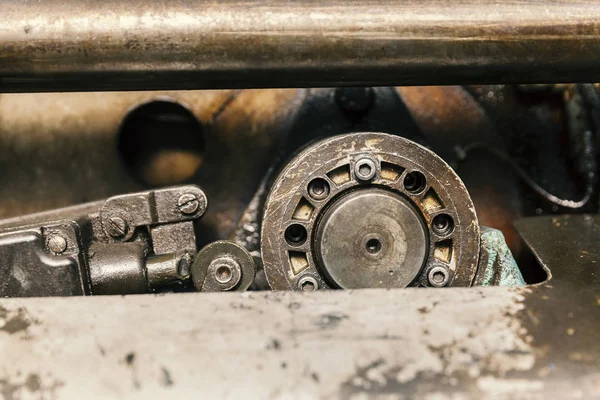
[(438, 277), (318, 189), (57, 244), (308, 284), (223, 274), (116, 227), (365, 169), (188, 203)]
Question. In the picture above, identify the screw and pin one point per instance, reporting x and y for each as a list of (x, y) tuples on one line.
[(318, 189), (226, 271), (116, 227), (438, 277), (57, 244), (188, 203), (308, 284), (365, 169), (223, 274)]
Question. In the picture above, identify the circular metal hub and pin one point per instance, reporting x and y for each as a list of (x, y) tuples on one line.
[(371, 238), (368, 210)]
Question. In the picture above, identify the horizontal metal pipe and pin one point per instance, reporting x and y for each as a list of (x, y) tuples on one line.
[(83, 45)]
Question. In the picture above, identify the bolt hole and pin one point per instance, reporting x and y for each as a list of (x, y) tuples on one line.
[(373, 246), (295, 235), (162, 143), (318, 189), (414, 182), (223, 274), (443, 225)]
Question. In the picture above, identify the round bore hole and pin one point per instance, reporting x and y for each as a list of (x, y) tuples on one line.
[(295, 235), (162, 143), (373, 246), (414, 182), (308, 284), (443, 224), (318, 189), (223, 274)]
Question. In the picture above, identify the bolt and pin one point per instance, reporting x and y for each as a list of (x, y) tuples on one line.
[(365, 169), (318, 189), (438, 277), (188, 203), (308, 284), (442, 224), (223, 274), (116, 227), (226, 271), (57, 244)]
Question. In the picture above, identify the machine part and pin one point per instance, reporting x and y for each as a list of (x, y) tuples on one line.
[(119, 269), (393, 211), (167, 269), (369, 237), (223, 266), (121, 215), (132, 243), (534, 342), (30, 265), (141, 45), (438, 276), (57, 244), (497, 266), (188, 203)]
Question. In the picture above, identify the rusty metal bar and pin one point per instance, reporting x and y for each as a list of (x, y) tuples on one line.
[(82, 45)]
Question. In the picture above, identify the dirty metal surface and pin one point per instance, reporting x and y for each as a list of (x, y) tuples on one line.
[(531, 342), (57, 45), (60, 149)]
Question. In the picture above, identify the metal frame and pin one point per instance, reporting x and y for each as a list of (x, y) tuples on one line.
[(83, 45), (528, 342)]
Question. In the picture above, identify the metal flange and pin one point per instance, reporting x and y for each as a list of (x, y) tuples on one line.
[(368, 210), (223, 266)]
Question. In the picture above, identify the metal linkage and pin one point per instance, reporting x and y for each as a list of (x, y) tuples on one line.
[(84, 45), (133, 243)]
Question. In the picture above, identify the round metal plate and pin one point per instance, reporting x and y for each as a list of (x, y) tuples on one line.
[(410, 171), (371, 238), (222, 249)]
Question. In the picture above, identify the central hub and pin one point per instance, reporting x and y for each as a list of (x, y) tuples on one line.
[(371, 238)]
